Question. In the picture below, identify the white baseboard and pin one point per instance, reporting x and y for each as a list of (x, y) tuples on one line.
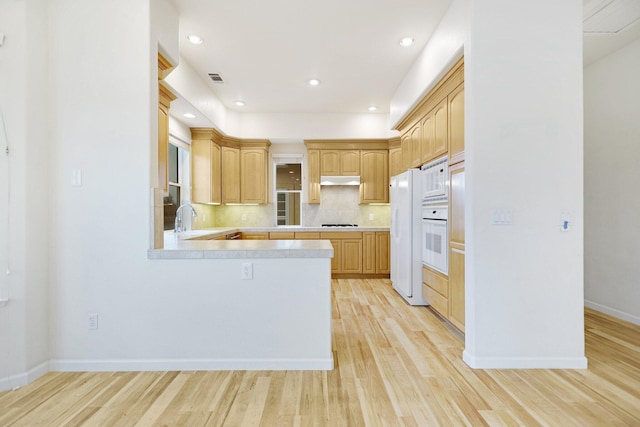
[(613, 312), (13, 382), (524, 362), (97, 365)]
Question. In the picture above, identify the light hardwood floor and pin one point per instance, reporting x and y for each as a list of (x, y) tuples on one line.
[(396, 365)]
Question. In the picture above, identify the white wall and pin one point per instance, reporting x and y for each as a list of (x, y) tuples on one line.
[(523, 127), (314, 126), (612, 174), (24, 238)]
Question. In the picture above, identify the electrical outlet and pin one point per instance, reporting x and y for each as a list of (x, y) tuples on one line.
[(246, 272), (92, 321), (370, 217)]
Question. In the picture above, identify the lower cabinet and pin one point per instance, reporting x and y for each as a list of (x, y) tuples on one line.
[(456, 287), (354, 253), (375, 252), (347, 251), (435, 290), (255, 236)]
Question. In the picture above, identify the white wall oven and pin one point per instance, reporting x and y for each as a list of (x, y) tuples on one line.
[(434, 181), (435, 244)]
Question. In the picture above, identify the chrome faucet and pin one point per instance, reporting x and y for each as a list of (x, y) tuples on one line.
[(178, 225)]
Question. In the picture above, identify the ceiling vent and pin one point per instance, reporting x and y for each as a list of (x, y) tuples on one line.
[(216, 78), (609, 17)]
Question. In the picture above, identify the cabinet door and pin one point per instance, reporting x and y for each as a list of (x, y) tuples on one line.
[(374, 185), (352, 256), (383, 260), (441, 125), (230, 175), (205, 171), (330, 162), (336, 261), (349, 162), (456, 125), (416, 145), (314, 176), (456, 200), (395, 161), (163, 147), (253, 173), (428, 138), (406, 151), (456, 287), (369, 252)]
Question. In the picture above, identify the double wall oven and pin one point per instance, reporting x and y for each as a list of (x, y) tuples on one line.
[(435, 215)]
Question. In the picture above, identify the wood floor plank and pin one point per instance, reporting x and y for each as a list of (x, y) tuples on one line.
[(395, 365)]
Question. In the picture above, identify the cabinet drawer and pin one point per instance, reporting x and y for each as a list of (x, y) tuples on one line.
[(340, 235), (436, 280), (282, 235), (437, 301), (307, 235)]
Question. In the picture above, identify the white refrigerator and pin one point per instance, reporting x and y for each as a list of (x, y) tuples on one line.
[(406, 224)]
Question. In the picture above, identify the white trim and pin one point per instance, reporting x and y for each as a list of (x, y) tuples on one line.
[(627, 317), (179, 142), (101, 365), (14, 382), (524, 362)]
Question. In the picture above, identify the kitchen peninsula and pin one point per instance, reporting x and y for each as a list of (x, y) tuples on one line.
[(268, 302)]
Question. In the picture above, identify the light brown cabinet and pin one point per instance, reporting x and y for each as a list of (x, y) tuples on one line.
[(375, 252), (314, 176), (395, 161), (441, 129), (456, 125), (369, 252), (282, 235), (347, 251), (164, 101), (255, 235), (383, 252), (456, 245), (206, 177), (230, 175), (339, 162), (435, 290), (416, 145), (253, 175), (374, 181)]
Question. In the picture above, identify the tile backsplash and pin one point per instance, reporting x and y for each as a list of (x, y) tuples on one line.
[(338, 205), (341, 205)]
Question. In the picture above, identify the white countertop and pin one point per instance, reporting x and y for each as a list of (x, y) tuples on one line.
[(196, 244)]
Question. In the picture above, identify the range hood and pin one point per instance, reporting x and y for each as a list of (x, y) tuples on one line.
[(340, 180)]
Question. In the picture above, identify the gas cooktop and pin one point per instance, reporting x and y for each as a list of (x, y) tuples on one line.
[(339, 225)]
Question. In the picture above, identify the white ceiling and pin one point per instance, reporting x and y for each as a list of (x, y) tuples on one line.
[(267, 50)]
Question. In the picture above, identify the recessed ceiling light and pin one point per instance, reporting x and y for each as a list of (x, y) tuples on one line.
[(314, 82), (195, 39), (189, 115), (372, 108), (240, 103), (406, 41)]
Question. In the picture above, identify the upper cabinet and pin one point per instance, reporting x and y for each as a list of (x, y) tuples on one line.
[(436, 126), (230, 175), (339, 162), (253, 175), (395, 157), (441, 130), (313, 159), (456, 125), (374, 181), (368, 159), (206, 176)]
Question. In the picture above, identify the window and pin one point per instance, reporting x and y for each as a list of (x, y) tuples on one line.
[(288, 193), (178, 182)]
